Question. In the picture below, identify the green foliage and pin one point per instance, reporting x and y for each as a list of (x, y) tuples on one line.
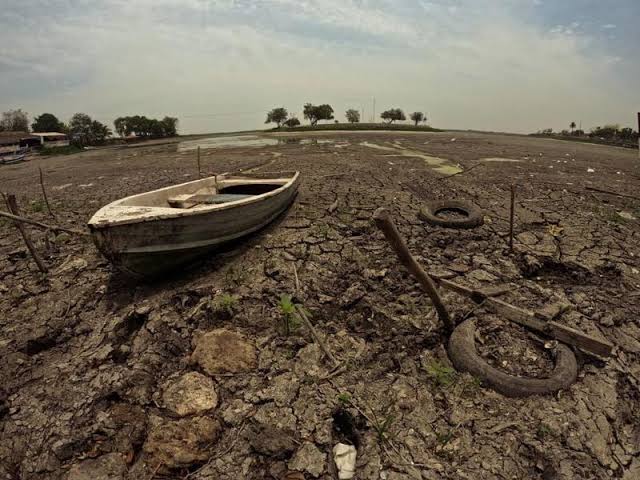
[(37, 206), (382, 428), (366, 126), (608, 131), (277, 116), (226, 303), (392, 115), (14, 121), (292, 122), (315, 113), (47, 122), (353, 116), (543, 431), (444, 438), (84, 131), (418, 117), (442, 375), (141, 126), (290, 320), (572, 126), (344, 398)]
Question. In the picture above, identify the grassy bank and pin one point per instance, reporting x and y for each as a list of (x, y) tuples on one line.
[(358, 126), (68, 150), (585, 139)]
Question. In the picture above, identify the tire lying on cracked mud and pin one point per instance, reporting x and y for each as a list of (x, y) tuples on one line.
[(473, 216), (463, 355)]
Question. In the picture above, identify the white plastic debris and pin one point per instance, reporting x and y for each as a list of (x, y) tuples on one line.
[(590, 170), (345, 458), (453, 139)]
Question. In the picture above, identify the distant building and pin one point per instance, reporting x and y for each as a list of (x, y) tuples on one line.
[(52, 139), (13, 141)]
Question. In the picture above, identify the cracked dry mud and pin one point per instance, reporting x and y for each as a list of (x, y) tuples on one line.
[(98, 377)]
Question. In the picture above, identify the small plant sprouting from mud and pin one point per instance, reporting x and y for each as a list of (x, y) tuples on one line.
[(226, 303), (290, 320), (382, 427), (37, 206), (442, 375)]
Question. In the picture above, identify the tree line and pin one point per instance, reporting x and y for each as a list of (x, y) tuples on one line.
[(315, 113), (84, 131), (611, 132)]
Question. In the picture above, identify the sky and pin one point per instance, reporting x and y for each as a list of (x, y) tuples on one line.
[(220, 65)]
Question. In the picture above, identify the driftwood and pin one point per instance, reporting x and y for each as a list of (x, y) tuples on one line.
[(53, 228), (512, 216), (532, 320), (385, 223), (609, 192), (12, 205)]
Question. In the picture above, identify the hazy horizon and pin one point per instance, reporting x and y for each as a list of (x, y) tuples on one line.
[(509, 65)]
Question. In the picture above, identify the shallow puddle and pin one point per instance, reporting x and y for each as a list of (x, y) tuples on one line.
[(228, 142), (440, 165)]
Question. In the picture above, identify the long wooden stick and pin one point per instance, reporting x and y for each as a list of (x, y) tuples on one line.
[(512, 216), (609, 192), (12, 205), (44, 194), (199, 170), (385, 223), (53, 228), (315, 335)]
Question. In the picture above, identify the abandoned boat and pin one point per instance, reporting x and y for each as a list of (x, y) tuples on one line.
[(155, 231)]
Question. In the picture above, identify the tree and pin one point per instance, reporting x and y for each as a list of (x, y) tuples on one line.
[(392, 115), (418, 117), (86, 131), (353, 116), (47, 122), (277, 116), (292, 122), (314, 113), (572, 126), (14, 121), (169, 126), (142, 126)]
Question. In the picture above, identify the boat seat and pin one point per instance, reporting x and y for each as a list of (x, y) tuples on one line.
[(189, 200)]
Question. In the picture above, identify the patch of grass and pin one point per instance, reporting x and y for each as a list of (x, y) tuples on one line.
[(444, 438), (37, 206), (344, 398), (290, 320), (360, 126), (543, 431), (382, 428), (226, 303), (442, 375), (68, 150)]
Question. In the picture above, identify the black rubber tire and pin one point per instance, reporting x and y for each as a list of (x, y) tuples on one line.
[(463, 355), (430, 214)]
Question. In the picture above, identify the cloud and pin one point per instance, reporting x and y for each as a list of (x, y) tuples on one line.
[(219, 65)]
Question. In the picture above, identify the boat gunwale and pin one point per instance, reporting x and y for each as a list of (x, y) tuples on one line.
[(180, 213)]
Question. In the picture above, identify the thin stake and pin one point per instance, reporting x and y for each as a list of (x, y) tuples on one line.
[(512, 216), (384, 222), (315, 336), (44, 194), (12, 205), (295, 274), (53, 228), (199, 170)]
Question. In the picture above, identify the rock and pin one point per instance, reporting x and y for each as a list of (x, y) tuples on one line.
[(193, 393), (223, 351), (344, 457), (182, 442), (107, 467), (271, 441), (352, 295), (482, 276), (308, 459)]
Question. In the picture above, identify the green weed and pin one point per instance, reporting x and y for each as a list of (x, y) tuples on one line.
[(442, 375), (226, 303), (290, 320), (37, 206)]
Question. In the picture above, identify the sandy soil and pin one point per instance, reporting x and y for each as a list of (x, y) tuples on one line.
[(93, 367)]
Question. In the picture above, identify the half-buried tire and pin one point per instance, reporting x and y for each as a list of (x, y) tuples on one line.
[(472, 215), (463, 355)]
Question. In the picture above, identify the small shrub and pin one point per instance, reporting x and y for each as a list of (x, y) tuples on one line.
[(226, 303), (37, 206), (290, 321), (442, 375)]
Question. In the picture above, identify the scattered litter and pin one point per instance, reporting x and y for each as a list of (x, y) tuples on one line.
[(61, 187), (85, 185), (626, 215), (453, 139), (345, 458), (590, 170)]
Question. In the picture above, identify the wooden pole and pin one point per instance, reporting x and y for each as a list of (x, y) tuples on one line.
[(638, 134), (53, 228), (12, 205), (44, 194), (199, 170), (512, 216), (384, 222)]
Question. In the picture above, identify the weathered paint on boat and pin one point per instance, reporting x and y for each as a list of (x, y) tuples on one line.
[(143, 236)]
